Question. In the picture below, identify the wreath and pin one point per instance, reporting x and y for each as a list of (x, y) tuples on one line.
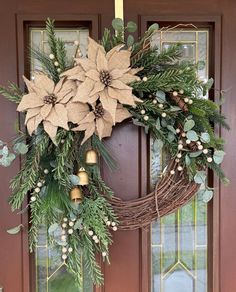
[(72, 105)]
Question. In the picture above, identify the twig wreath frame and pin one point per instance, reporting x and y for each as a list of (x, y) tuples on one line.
[(72, 105)]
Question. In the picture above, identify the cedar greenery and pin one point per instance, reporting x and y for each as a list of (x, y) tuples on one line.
[(162, 77)]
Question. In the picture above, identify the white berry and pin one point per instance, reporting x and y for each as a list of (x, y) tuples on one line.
[(71, 223), (142, 112), (113, 223), (154, 101), (180, 168), (95, 237), (33, 199), (145, 118), (70, 231), (108, 223), (96, 241), (175, 93), (46, 171), (145, 79), (64, 256), (70, 249), (183, 134), (59, 70), (188, 141), (114, 228), (37, 190), (76, 43), (177, 160), (163, 115), (64, 225), (90, 233), (177, 130), (63, 238), (209, 159), (186, 99), (161, 105), (199, 143), (51, 56), (64, 249), (63, 232), (179, 155), (180, 142), (104, 253), (180, 146), (172, 172), (190, 101), (56, 64), (205, 151), (181, 91), (200, 147), (65, 219), (39, 184)]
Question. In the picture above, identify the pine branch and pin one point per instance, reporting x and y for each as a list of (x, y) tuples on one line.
[(12, 92)]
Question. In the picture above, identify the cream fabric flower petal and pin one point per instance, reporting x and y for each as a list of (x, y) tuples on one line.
[(128, 78), (31, 100), (119, 60), (45, 82), (98, 86), (89, 129), (58, 116), (76, 73), (119, 85), (122, 114), (109, 104), (93, 74), (50, 129), (45, 110), (88, 119), (113, 51), (76, 111), (123, 96), (30, 85), (32, 113), (118, 73), (86, 64), (101, 61), (84, 90), (93, 48), (31, 126), (100, 127)]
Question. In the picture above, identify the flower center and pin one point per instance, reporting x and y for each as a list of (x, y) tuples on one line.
[(98, 111), (50, 99), (105, 77)]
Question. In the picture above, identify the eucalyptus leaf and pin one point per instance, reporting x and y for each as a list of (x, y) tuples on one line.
[(207, 195), (53, 228), (187, 160), (130, 40), (158, 124), (205, 137), (174, 108), (117, 24), (189, 125), (15, 230), (7, 160), (131, 26), (161, 96), (1, 143), (74, 179), (170, 137), (78, 224), (200, 177), (218, 156), (192, 135), (20, 148), (153, 27), (172, 129), (195, 154), (5, 151), (158, 145)]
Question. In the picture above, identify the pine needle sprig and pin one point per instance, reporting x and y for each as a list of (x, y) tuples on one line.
[(12, 92)]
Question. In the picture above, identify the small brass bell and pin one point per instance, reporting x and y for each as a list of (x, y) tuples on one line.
[(83, 177), (91, 157), (76, 195)]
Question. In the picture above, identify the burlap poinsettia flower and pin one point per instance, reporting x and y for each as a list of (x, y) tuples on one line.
[(46, 103), (104, 76), (98, 120)]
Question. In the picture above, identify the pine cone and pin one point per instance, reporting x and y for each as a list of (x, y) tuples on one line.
[(105, 77), (179, 101)]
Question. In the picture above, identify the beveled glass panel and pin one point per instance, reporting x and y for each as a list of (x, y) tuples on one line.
[(179, 241), (51, 274)]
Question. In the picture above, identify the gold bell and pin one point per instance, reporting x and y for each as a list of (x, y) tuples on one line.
[(91, 157), (83, 177), (76, 195)]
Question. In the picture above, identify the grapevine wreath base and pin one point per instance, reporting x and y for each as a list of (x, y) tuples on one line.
[(170, 193), (71, 105)]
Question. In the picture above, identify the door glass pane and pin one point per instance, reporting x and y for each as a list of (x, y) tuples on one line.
[(51, 274), (179, 240)]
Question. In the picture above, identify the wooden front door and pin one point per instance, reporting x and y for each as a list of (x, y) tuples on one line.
[(130, 269)]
